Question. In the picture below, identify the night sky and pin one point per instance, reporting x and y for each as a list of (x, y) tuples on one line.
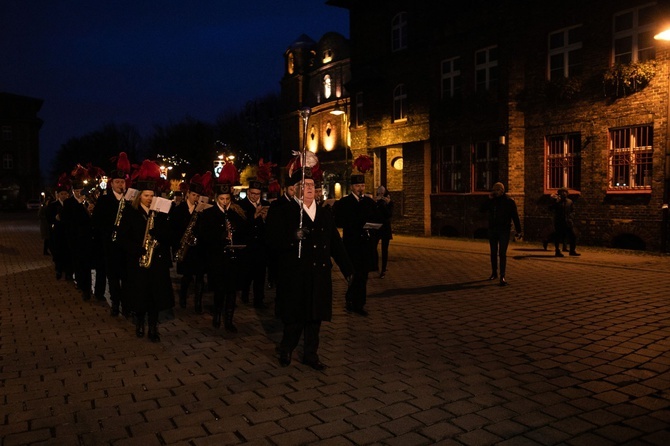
[(147, 62)]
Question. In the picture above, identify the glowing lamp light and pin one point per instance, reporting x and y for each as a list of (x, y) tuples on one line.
[(663, 35), (337, 111)]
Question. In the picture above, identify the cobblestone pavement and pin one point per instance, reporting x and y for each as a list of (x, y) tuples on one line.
[(574, 351)]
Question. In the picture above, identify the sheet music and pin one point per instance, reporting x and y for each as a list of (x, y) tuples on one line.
[(161, 204), (131, 194)]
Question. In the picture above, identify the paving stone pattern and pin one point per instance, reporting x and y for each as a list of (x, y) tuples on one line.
[(574, 351)]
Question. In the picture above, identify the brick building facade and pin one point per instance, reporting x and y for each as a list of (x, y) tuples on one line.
[(538, 95), (19, 150)]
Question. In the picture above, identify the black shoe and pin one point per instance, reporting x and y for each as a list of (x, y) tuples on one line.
[(114, 311), (544, 245), (284, 359), (493, 276), (503, 282), (361, 311), (559, 254), (153, 333), (574, 253), (316, 365)]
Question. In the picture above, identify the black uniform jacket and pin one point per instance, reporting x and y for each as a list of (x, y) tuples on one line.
[(361, 244), (147, 288), (304, 284)]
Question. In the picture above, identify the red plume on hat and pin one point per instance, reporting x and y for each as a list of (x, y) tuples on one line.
[(206, 181), (264, 172), (183, 186), (122, 166), (94, 172), (363, 163), (229, 174), (64, 183), (147, 176), (317, 173), (310, 161), (274, 187)]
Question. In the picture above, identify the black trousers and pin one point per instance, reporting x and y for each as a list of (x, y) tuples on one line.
[(498, 242), (563, 233), (291, 337)]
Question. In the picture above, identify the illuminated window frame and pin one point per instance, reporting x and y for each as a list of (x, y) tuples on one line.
[(399, 103), (564, 52), (630, 158), (563, 161), (449, 168), (486, 165), (633, 34), (327, 86)]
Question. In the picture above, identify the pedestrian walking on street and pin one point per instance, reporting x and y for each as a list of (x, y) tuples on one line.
[(385, 233), (502, 212), (563, 210)]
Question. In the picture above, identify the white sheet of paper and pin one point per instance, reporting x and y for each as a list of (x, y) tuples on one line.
[(131, 194), (372, 225), (161, 204)]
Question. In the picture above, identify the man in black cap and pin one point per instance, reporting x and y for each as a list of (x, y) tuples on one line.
[(190, 259), (106, 216), (60, 251), (256, 210), (352, 213), (304, 282)]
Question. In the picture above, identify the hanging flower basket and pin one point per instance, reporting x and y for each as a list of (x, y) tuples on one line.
[(624, 79)]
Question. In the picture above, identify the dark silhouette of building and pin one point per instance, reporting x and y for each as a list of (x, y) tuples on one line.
[(19, 150)]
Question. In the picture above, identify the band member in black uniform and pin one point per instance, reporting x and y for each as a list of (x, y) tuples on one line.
[(304, 282), (256, 210), (60, 251), (107, 216), (223, 233), (352, 213), (76, 218), (187, 252), (146, 236)]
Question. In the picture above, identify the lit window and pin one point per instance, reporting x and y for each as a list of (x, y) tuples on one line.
[(451, 77), (399, 103), (7, 161), (486, 68), (291, 63), (327, 56), (634, 35), (630, 158), (563, 161), (360, 120), (565, 52), (327, 86), (399, 32), (449, 169), (486, 165)]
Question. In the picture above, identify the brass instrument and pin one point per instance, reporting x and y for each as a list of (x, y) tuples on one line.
[(188, 239), (117, 220), (149, 244)]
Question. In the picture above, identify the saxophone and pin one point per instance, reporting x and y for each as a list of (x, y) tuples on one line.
[(149, 244), (188, 239), (117, 220)]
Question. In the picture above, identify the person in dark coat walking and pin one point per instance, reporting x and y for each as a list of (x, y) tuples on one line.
[(60, 251), (76, 217), (563, 210), (188, 253), (223, 231), (149, 286), (256, 210), (385, 233), (110, 208), (501, 210), (352, 213), (304, 281)]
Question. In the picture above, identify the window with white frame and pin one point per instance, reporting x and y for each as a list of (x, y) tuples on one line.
[(359, 118), (7, 161), (563, 161), (451, 77), (486, 165), (327, 86), (399, 103), (449, 166), (399, 32), (486, 68), (634, 34), (565, 52), (630, 158)]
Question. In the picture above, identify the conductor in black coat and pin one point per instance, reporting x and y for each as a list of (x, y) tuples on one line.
[(256, 210), (60, 251), (304, 282)]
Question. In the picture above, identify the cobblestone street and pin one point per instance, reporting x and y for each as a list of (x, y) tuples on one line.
[(574, 351)]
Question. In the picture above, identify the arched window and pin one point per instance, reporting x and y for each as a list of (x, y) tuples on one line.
[(291, 63), (327, 86), (399, 103), (399, 32)]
